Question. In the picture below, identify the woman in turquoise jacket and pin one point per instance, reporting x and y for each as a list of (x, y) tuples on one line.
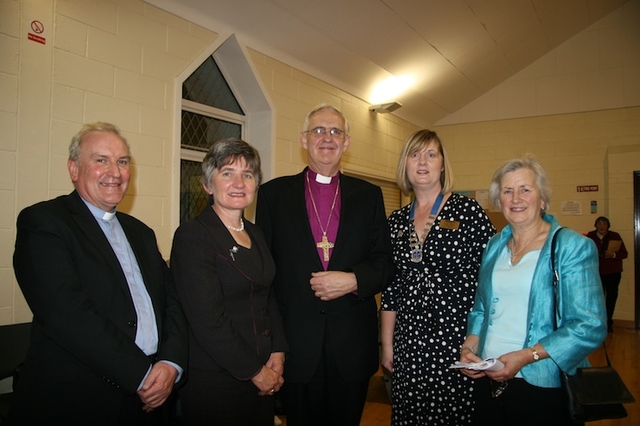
[(515, 306)]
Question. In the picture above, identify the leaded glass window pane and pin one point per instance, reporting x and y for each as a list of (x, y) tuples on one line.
[(193, 199), (208, 86), (200, 131)]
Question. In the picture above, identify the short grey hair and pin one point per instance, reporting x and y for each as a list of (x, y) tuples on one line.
[(530, 162), (76, 140), (226, 151), (319, 108)]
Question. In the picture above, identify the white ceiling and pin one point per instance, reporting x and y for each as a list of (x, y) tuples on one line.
[(455, 50)]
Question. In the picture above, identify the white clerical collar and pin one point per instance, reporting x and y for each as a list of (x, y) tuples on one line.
[(323, 179), (97, 212)]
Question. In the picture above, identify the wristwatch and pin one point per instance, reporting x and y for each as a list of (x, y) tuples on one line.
[(536, 357)]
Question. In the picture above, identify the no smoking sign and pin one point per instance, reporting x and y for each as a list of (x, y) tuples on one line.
[(37, 32)]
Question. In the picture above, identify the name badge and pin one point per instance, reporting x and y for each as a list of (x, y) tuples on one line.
[(449, 224)]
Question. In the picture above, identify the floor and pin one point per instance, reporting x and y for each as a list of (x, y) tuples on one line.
[(623, 347)]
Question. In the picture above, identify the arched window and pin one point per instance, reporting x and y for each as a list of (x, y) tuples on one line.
[(221, 98)]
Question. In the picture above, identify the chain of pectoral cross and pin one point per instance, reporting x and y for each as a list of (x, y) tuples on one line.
[(325, 244)]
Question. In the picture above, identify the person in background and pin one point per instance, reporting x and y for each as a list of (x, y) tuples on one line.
[(611, 252), (437, 241), (224, 274), (109, 338), (514, 314), (329, 238)]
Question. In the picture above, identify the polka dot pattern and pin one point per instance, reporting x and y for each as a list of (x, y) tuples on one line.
[(431, 300)]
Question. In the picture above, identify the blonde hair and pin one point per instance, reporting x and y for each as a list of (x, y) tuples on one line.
[(415, 143)]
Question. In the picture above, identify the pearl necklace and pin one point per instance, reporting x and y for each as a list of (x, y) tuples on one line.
[(237, 229)]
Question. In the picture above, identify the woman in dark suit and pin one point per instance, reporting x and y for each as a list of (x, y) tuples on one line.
[(223, 273)]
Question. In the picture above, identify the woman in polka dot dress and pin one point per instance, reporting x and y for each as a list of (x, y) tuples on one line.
[(438, 241)]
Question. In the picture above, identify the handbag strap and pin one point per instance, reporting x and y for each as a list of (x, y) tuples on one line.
[(556, 279)]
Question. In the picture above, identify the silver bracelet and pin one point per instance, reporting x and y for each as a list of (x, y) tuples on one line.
[(471, 348)]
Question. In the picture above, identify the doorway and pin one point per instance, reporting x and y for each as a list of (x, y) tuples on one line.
[(636, 244)]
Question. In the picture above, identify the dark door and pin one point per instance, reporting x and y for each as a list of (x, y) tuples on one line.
[(636, 241)]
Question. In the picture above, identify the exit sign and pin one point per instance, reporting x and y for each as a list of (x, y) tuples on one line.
[(587, 188)]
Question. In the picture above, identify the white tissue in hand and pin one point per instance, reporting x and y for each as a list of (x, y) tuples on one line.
[(491, 364)]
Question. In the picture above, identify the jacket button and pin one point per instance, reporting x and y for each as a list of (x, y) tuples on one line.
[(131, 324), (322, 313)]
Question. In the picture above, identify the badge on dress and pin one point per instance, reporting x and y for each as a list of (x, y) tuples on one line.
[(449, 224)]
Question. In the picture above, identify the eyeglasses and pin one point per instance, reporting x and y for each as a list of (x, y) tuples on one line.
[(321, 131), (499, 390)]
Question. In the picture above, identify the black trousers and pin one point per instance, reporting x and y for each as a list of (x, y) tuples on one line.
[(610, 284), (113, 409), (519, 404), (327, 400), (132, 414)]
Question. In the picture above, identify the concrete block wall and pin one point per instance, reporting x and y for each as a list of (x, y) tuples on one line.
[(376, 139), (98, 60), (578, 110), (593, 148), (117, 60)]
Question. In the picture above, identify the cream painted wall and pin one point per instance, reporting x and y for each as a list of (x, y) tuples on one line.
[(595, 148), (621, 162), (578, 109), (376, 139), (117, 61), (110, 61)]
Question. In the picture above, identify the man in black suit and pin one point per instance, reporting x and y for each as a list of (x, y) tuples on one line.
[(109, 337), (328, 236)]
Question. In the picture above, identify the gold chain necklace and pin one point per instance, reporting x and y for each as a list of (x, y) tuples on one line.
[(513, 242), (416, 242), (325, 244)]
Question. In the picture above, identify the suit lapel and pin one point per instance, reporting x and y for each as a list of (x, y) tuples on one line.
[(87, 224), (226, 246), (297, 208), (342, 238)]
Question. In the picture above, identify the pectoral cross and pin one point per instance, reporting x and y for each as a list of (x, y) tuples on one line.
[(325, 245)]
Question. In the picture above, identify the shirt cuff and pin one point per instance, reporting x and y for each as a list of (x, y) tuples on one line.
[(179, 369)]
